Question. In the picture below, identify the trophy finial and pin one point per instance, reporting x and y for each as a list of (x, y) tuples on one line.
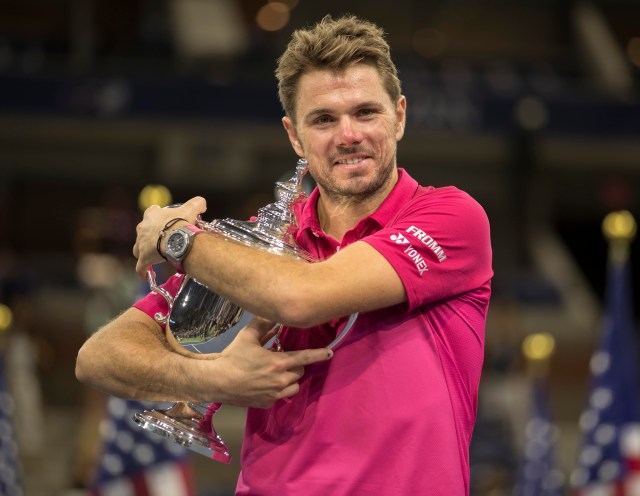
[(302, 166), (291, 191), (274, 228)]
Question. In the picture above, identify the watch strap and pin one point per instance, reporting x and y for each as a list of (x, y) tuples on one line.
[(193, 228)]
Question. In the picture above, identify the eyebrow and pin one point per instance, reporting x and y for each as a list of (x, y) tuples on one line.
[(325, 110), (315, 112)]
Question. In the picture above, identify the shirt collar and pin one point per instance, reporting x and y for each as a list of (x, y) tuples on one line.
[(404, 189)]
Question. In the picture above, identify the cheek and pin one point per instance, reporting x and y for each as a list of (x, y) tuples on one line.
[(386, 131), (313, 144)]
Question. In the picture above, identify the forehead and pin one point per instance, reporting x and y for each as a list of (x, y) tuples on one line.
[(321, 87)]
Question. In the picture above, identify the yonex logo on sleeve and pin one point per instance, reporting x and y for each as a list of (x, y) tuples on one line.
[(410, 252), (399, 239)]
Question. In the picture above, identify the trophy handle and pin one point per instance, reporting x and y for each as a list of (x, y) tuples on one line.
[(347, 327), (151, 279), (339, 337)]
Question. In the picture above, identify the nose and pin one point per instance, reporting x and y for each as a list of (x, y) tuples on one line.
[(349, 132)]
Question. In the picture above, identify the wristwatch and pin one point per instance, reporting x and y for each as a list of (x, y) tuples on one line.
[(179, 243)]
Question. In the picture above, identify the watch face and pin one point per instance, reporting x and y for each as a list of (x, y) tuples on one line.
[(176, 243)]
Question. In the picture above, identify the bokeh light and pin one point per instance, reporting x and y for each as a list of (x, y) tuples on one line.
[(619, 225), (531, 113), (538, 346), (273, 16), (6, 317), (633, 50), (154, 194)]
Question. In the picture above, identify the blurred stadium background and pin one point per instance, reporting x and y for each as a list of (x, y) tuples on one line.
[(530, 105)]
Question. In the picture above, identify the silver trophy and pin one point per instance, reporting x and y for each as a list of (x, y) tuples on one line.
[(196, 315)]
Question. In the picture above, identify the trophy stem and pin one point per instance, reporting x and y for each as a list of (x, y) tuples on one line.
[(183, 424)]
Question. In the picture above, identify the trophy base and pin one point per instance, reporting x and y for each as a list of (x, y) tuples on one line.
[(187, 428)]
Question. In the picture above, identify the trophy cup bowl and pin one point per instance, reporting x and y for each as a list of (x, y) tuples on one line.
[(196, 315)]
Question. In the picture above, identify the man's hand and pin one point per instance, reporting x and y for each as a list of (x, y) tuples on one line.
[(153, 221), (257, 377)]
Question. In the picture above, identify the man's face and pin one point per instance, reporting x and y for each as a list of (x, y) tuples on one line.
[(347, 128)]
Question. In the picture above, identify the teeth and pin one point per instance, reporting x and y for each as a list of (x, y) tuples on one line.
[(351, 161)]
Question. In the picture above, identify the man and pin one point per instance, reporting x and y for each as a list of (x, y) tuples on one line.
[(392, 411)]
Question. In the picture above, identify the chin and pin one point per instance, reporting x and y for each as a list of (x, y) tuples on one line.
[(361, 187)]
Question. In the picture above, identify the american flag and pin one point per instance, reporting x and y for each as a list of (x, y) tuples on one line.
[(137, 463), (609, 458), (9, 460), (539, 474)]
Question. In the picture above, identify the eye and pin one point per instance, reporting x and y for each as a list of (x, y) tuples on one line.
[(366, 112), (323, 119)]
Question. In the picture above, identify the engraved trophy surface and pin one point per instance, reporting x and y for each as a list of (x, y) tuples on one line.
[(197, 315)]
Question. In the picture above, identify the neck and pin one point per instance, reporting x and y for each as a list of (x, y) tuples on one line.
[(339, 215)]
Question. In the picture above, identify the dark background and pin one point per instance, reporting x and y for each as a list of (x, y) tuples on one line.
[(531, 106)]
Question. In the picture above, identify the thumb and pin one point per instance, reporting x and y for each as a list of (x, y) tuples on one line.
[(196, 205), (258, 328)]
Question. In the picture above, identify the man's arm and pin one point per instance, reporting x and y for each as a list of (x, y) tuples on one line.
[(296, 293), (130, 358), (280, 288)]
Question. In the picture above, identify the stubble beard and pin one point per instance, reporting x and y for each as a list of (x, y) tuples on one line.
[(357, 189)]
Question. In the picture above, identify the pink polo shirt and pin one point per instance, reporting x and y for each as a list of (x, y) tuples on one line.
[(392, 412)]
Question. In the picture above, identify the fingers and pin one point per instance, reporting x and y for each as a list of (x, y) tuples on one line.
[(260, 328), (150, 210), (290, 390), (307, 357), (272, 333), (188, 210), (262, 377), (141, 269), (154, 218), (289, 387), (195, 206)]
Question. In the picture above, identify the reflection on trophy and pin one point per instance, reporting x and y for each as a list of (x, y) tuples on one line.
[(197, 315)]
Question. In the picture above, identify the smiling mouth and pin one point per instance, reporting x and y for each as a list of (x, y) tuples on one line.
[(350, 161)]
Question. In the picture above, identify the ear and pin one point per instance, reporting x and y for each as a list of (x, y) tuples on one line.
[(401, 116), (293, 137)]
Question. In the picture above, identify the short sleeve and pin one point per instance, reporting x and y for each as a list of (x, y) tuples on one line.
[(153, 303), (439, 245)]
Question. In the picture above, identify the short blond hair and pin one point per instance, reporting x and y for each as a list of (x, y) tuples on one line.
[(334, 44)]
